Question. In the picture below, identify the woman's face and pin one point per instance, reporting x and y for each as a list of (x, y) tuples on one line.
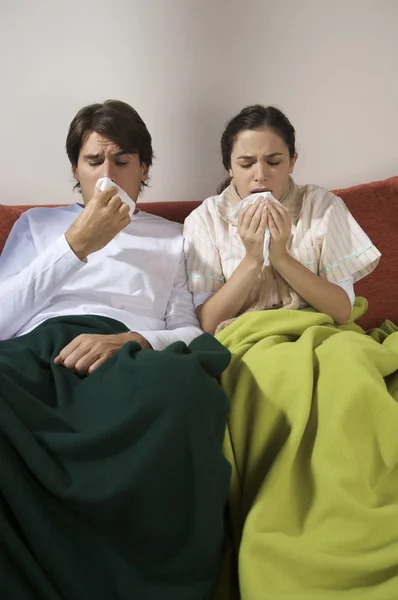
[(260, 162)]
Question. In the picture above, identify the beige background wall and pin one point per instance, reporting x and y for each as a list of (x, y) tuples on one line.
[(189, 65)]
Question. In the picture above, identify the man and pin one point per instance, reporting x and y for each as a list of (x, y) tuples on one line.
[(56, 253), (113, 480)]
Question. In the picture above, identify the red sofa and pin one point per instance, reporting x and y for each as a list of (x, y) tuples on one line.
[(374, 205)]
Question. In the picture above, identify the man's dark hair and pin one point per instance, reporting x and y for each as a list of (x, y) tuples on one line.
[(116, 121)]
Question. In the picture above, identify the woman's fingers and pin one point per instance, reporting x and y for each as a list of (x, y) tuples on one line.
[(273, 229), (256, 219), (251, 219), (277, 219), (283, 212), (245, 215), (262, 228)]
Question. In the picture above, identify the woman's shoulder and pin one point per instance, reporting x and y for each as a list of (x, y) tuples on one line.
[(317, 193), (206, 213), (319, 200)]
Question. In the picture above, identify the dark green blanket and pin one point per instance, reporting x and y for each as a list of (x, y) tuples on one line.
[(113, 486)]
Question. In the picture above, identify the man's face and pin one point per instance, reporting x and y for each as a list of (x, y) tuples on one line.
[(99, 157)]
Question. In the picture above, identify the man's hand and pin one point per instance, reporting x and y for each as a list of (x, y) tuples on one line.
[(88, 351), (104, 216)]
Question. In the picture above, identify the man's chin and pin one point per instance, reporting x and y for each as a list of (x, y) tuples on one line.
[(86, 196)]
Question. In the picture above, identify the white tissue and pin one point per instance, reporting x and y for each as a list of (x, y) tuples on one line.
[(105, 183), (249, 200)]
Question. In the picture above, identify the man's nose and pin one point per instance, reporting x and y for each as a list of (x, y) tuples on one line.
[(108, 169)]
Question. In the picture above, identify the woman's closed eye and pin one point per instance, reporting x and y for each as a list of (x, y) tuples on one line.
[(271, 163)]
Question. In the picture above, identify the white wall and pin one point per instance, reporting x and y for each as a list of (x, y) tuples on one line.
[(189, 65)]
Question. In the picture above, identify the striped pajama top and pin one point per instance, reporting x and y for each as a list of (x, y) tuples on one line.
[(326, 239)]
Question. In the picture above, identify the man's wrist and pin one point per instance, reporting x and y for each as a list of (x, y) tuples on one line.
[(133, 336), (78, 247)]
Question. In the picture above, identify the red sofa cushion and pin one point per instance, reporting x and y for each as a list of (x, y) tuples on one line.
[(374, 206), (174, 211), (8, 216)]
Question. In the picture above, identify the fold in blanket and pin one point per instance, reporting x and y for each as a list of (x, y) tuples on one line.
[(112, 485), (313, 440)]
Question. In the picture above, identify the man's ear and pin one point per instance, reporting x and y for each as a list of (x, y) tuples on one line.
[(75, 172), (144, 172), (293, 163)]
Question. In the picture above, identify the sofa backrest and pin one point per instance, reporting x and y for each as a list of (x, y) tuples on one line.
[(373, 205)]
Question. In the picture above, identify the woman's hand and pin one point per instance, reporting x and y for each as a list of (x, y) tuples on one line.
[(252, 225), (280, 226)]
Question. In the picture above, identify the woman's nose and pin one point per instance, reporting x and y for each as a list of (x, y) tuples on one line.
[(260, 173)]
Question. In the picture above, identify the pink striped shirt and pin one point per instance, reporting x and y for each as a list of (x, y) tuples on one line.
[(326, 239)]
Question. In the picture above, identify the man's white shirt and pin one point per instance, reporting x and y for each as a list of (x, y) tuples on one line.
[(139, 278)]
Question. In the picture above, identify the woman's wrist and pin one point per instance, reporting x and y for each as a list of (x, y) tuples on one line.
[(252, 263), (280, 260)]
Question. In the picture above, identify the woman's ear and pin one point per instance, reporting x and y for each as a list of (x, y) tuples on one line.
[(293, 163)]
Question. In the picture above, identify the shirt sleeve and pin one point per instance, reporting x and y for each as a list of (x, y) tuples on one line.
[(200, 298), (348, 286), (28, 281), (203, 262), (346, 250), (180, 318)]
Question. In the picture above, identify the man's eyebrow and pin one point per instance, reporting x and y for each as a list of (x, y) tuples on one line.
[(91, 156), (97, 155)]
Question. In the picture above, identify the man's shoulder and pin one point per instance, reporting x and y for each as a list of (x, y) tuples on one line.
[(47, 213), (160, 223)]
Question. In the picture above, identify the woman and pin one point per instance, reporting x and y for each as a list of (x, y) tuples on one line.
[(311, 434), (317, 251)]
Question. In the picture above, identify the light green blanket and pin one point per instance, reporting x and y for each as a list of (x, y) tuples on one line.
[(313, 440)]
